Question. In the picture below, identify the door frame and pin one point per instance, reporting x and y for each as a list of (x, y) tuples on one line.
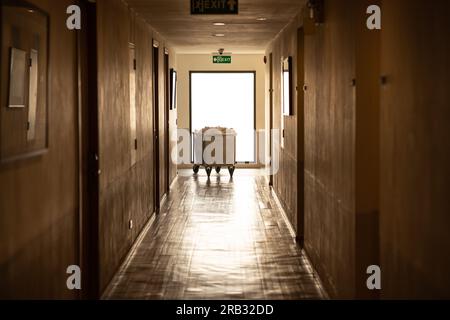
[(254, 108), (167, 119), (271, 105), (300, 137), (88, 156), (156, 138)]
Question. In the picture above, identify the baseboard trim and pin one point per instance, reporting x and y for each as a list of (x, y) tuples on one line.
[(284, 215), (312, 270), (136, 244), (165, 196), (110, 288), (316, 275), (173, 182), (163, 200)]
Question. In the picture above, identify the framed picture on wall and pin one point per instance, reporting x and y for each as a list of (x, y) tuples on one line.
[(287, 77), (173, 89), (24, 81), (17, 78)]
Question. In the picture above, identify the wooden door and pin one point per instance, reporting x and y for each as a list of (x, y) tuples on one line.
[(88, 141), (156, 139)]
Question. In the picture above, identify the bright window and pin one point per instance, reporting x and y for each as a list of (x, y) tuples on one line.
[(226, 99)]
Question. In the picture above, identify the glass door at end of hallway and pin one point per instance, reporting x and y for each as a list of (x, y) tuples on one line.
[(226, 99)]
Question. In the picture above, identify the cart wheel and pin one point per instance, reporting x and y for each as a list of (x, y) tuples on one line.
[(218, 169), (231, 170), (196, 169), (208, 171)]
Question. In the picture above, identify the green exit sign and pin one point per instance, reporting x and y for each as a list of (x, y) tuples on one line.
[(222, 59)]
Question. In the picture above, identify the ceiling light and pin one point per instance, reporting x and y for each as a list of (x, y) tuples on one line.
[(262, 19), (219, 24), (218, 35)]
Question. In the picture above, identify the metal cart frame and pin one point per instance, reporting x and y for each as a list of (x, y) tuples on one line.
[(202, 139)]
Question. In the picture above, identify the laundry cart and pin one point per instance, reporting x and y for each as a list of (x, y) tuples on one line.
[(215, 148)]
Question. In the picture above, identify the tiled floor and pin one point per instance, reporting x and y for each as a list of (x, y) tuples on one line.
[(217, 239)]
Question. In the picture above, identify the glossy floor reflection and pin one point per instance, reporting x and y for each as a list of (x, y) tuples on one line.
[(217, 239)]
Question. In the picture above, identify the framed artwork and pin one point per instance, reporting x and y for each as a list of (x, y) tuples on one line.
[(287, 77), (23, 80), (17, 78)]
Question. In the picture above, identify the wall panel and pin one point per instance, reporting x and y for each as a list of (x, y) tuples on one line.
[(114, 135), (39, 196), (329, 135), (415, 150), (285, 180), (340, 92), (126, 189)]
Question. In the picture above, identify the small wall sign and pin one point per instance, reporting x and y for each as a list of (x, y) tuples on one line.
[(222, 59), (214, 7)]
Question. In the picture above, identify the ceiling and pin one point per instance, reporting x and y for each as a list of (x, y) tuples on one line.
[(194, 33)]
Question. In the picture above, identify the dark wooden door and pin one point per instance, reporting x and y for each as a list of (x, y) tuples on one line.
[(166, 122), (88, 151), (271, 115), (156, 139)]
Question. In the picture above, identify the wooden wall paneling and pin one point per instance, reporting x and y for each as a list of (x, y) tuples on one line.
[(329, 118), (299, 86), (415, 144), (341, 148), (145, 122), (40, 226), (286, 178), (114, 135), (128, 187), (133, 112), (367, 148), (39, 196), (24, 130), (329, 171)]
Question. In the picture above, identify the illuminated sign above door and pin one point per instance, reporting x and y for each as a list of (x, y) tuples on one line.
[(214, 7), (222, 59)]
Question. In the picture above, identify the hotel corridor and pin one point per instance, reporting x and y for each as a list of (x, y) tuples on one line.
[(327, 119), (217, 239)]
